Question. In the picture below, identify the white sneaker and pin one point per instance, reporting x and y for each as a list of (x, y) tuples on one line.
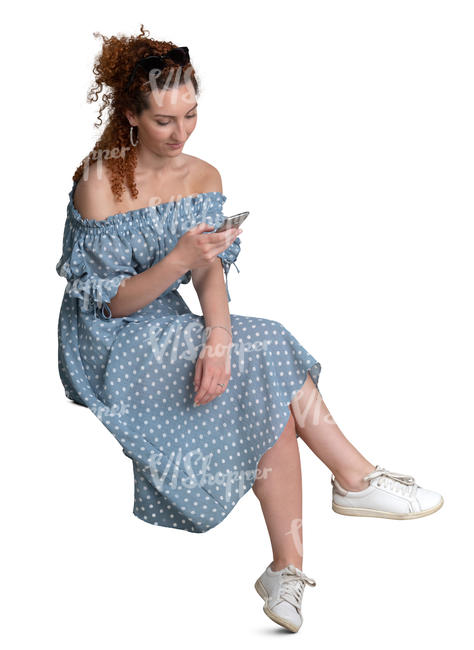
[(389, 495), (282, 592)]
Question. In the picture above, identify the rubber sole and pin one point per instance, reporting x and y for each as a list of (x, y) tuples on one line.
[(365, 512), (261, 591)]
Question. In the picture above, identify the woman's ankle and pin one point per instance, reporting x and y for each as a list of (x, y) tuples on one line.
[(279, 564), (354, 481)]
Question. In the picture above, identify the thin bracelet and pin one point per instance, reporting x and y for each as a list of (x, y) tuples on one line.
[(225, 328)]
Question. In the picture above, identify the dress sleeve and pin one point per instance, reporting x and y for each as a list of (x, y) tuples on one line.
[(95, 261), (228, 258), (229, 255)]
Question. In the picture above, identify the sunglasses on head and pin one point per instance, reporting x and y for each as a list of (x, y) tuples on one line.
[(179, 55)]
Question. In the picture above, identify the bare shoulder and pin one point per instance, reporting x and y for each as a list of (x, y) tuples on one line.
[(93, 197), (208, 178)]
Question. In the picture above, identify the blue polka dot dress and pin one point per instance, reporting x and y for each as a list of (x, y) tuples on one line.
[(191, 464)]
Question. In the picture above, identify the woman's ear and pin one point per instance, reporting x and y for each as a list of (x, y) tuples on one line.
[(130, 117)]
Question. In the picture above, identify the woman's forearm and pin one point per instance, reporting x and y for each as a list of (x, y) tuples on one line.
[(141, 289), (212, 294)]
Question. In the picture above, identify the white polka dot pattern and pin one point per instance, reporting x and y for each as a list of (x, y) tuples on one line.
[(191, 464)]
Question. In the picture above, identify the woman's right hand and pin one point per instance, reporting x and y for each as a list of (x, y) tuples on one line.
[(196, 249)]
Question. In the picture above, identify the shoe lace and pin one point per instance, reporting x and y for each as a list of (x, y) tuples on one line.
[(293, 584), (400, 483)]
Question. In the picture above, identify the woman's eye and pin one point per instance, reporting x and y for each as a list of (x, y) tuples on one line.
[(166, 123)]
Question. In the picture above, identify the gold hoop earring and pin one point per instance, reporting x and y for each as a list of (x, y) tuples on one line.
[(134, 144)]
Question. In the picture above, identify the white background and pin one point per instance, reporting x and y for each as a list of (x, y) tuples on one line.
[(346, 129)]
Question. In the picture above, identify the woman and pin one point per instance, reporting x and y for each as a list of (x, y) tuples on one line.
[(142, 220)]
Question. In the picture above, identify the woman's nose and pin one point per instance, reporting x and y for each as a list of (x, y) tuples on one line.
[(180, 133)]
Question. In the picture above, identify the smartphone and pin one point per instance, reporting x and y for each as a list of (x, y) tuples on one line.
[(233, 221)]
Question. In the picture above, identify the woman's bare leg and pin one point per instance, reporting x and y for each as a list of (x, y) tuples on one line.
[(316, 427), (278, 488)]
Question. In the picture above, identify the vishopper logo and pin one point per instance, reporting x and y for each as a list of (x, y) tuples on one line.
[(176, 79), (295, 527), (308, 408), (176, 334), (104, 412), (183, 220), (98, 155), (229, 478), (93, 294), (169, 220)]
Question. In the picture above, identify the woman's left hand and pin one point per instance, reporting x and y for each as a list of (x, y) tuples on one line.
[(212, 367)]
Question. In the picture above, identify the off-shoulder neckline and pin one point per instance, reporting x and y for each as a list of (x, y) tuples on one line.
[(122, 216)]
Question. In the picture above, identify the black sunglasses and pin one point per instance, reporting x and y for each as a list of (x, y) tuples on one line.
[(179, 55)]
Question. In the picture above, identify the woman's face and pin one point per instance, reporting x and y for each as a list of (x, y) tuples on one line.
[(170, 119)]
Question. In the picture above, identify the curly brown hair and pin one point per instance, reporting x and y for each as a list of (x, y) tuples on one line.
[(112, 68)]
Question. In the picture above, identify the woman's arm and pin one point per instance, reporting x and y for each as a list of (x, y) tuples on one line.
[(94, 197), (210, 287), (213, 363), (141, 289)]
